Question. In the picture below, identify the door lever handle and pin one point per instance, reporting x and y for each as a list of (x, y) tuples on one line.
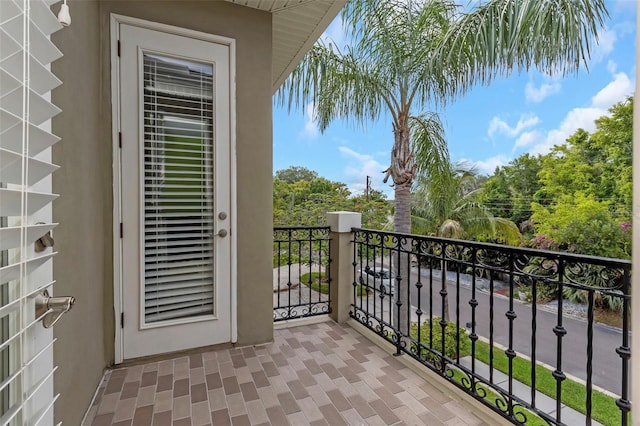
[(51, 309)]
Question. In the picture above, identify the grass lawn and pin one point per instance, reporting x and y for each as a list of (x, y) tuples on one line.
[(492, 397), (574, 394), (604, 408), (320, 284), (451, 334)]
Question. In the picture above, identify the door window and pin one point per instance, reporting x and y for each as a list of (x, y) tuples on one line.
[(178, 188)]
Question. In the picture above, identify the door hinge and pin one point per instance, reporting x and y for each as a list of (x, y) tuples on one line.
[(118, 48), (121, 230), (119, 139), (121, 319)]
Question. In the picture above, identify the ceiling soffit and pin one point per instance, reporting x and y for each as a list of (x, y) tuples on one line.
[(297, 24)]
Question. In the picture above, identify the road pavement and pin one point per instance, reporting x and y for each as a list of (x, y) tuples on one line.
[(607, 365)]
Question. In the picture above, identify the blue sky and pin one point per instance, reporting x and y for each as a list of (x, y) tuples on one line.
[(488, 127)]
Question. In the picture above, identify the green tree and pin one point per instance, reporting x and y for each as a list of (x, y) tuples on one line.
[(303, 198), (496, 193), (585, 195), (510, 190), (375, 209), (614, 136), (597, 164), (296, 173), (306, 202), (581, 224), (407, 55), (450, 205)]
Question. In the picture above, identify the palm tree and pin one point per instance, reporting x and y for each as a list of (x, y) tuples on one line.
[(406, 55), (448, 204)]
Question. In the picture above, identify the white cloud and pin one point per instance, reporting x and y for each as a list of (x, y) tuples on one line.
[(577, 118), (584, 117), (497, 125), (615, 91), (606, 43), (627, 27), (538, 94), (488, 166), (612, 67), (360, 166), (527, 139), (310, 125)]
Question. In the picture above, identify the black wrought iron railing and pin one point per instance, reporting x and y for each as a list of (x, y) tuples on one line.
[(301, 276), (455, 306)]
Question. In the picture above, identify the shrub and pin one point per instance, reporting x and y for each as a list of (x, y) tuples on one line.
[(320, 283), (451, 335), (316, 280), (544, 292)]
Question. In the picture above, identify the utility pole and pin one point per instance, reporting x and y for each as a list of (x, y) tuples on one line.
[(368, 186)]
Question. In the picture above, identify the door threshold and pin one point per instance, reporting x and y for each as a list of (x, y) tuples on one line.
[(170, 355)]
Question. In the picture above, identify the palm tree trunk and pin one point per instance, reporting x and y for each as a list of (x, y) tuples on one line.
[(402, 171), (402, 213)]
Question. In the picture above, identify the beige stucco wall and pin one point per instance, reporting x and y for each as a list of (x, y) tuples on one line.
[(84, 265)]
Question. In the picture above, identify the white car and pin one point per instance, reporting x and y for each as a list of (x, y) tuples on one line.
[(375, 277)]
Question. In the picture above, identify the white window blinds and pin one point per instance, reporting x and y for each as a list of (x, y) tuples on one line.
[(26, 370), (178, 189)]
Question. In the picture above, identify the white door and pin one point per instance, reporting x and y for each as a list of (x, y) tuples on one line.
[(175, 192)]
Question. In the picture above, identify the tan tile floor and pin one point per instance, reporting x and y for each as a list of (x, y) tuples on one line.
[(319, 374)]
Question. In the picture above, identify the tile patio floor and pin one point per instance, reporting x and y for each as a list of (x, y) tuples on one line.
[(319, 374)]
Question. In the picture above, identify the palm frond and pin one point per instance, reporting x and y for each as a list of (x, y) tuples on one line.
[(503, 36), (451, 229), (421, 225), (474, 217), (448, 202), (507, 231), (429, 144), (404, 55), (384, 65), (338, 85)]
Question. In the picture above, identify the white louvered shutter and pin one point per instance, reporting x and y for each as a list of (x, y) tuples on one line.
[(26, 359), (178, 188)]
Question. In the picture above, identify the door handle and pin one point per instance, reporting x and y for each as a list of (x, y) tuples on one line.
[(222, 233), (51, 309)]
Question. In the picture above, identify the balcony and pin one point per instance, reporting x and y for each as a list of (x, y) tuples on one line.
[(319, 374), (422, 331), (477, 315)]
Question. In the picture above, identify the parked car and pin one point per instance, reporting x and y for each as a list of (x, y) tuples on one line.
[(375, 277)]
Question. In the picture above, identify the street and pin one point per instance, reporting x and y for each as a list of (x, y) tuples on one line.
[(607, 365)]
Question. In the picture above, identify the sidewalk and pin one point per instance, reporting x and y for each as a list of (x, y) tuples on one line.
[(521, 390), (299, 299), (543, 402)]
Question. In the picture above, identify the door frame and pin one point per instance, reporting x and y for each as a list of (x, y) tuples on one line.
[(118, 293)]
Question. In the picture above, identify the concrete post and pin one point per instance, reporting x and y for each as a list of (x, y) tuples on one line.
[(341, 267)]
